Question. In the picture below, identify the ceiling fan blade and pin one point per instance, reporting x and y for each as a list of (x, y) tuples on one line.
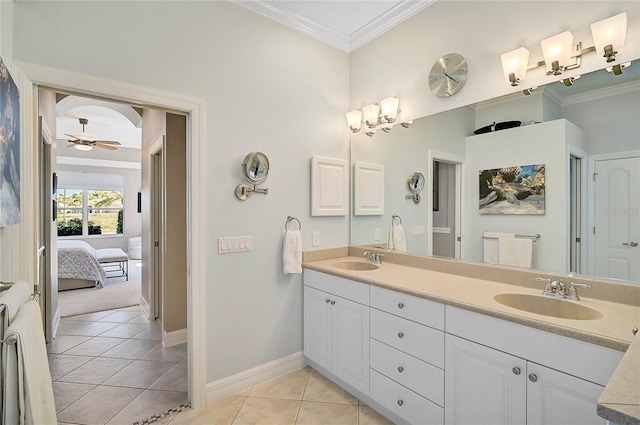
[(108, 142), (103, 146), (82, 136)]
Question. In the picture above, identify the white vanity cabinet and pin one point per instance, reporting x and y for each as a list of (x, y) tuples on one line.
[(336, 327), (507, 384), (407, 355)]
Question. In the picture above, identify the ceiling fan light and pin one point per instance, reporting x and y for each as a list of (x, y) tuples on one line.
[(83, 147)]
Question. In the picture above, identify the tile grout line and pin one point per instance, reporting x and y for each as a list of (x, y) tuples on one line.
[(302, 398)]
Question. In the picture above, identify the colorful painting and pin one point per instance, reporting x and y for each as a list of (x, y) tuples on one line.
[(512, 190), (9, 149)]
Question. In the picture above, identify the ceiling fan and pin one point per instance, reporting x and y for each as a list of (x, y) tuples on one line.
[(85, 141)]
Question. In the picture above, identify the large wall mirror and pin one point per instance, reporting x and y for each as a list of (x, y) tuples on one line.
[(571, 131)]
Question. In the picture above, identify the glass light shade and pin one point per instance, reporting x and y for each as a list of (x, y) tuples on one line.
[(557, 48), (515, 62), (83, 147), (354, 119), (611, 31), (370, 114), (389, 107)]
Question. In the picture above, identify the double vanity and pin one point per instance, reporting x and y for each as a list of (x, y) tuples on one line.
[(433, 341)]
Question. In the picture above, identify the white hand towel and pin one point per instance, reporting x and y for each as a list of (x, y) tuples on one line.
[(14, 298), (292, 252), (397, 240), (515, 252), (27, 368), (490, 244)]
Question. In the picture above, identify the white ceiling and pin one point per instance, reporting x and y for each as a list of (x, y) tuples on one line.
[(346, 25)]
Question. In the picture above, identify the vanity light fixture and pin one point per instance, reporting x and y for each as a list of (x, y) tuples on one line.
[(371, 114), (354, 119), (609, 35), (561, 53), (383, 115)]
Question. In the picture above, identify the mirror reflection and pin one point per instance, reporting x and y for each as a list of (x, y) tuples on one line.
[(576, 132)]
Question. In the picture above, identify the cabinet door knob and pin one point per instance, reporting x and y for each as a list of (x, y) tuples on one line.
[(400, 305), (400, 369), (400, 402), (516, 370), (327, 300), (400, 335), (533, 377), (333, 302)]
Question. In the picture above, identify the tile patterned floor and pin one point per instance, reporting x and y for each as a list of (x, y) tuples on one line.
[(110, 368), (303, 397)]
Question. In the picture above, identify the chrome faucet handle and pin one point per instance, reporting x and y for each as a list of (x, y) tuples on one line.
[(365, 254), (573, 291), (549, 289), (560, 288)]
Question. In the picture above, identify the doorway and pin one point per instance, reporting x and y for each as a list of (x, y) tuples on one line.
[(157, 189), (35, 76), (444, 217)]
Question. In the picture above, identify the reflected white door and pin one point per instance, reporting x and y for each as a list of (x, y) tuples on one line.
[(617, 218)]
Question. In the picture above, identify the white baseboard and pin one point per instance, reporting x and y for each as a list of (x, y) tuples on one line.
[(145, 306), (231, 385), (169, 339), (55, 324)]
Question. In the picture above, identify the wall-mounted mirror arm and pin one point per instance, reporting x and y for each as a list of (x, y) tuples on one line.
[(255, 169)]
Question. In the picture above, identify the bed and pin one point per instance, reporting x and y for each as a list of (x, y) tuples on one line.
[(78, 266)]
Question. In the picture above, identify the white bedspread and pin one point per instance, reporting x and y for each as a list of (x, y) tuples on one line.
[(77, 260)]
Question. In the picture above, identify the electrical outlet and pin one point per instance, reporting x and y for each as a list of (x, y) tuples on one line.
[(376, 234), (315, 239)]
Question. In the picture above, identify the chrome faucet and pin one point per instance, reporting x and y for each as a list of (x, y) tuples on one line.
[(557, 288), (373, 257)]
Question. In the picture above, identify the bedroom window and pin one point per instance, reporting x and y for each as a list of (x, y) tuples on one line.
[(83, 212)]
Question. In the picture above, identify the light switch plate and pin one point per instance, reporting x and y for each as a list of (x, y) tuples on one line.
[(376, 234), (315, 239), (228, 245)]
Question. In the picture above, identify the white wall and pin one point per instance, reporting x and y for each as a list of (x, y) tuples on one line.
[(611, 122), (544, 143), (398, 61), (267, 88)]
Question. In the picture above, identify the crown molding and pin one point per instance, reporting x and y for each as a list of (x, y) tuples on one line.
[(92, 162), (629, 87), (391, 18), (371, 30)]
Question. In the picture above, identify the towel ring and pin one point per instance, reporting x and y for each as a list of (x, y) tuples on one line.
[(394, 216), (290, 219)]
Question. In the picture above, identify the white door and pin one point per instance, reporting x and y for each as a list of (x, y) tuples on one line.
[(47, 278), (555, 398), (617, 218), (351, 342), (317, 327), (157, 222), (482, 385)]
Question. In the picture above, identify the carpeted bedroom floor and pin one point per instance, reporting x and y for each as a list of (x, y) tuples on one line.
[(116, 293)]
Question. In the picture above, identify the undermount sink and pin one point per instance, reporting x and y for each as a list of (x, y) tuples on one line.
[(355, 265), (547, 306)]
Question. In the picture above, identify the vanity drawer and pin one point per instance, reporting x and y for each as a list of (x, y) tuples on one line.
[(345, 288), (423, 378), (410, 307), (403, 402), (413, 338)]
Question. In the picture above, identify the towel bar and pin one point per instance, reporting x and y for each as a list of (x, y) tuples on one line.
[(290, 219), (534, 238)]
